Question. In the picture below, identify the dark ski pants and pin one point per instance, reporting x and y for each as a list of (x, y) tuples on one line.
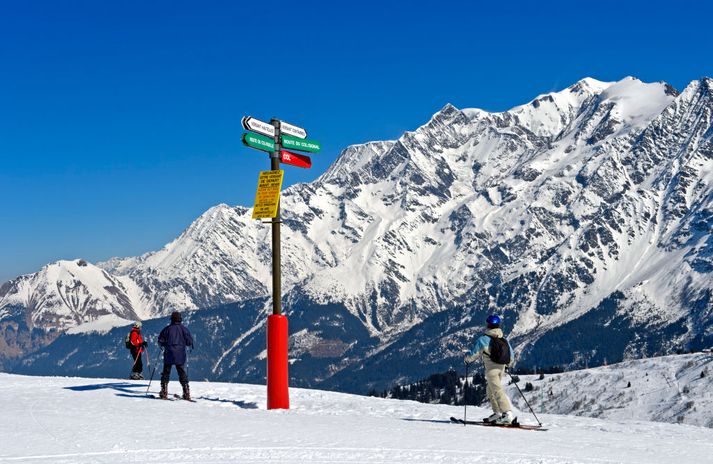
[(166, 373), (138, 365)]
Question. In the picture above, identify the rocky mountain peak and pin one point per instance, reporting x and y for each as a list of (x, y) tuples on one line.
[(589, 84)]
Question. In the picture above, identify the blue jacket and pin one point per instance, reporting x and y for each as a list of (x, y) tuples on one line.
[(175, 338)]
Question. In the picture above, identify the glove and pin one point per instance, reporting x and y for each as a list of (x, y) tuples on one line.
[(470, 358), (144, 344)]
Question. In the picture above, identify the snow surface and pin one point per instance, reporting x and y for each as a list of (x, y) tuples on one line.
[(78, 420)]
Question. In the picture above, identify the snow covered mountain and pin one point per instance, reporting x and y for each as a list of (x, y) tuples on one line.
[(66, 294), (676, 389), (36, 308), (584, 216), (229, 423)]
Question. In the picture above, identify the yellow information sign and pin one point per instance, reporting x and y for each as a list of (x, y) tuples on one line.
[(267, 197)]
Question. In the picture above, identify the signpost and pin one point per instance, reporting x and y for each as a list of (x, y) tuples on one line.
[(300, 144), (271, 138), (295, 159), (259, 142), (267, 197), (294, 131), (255, 125)]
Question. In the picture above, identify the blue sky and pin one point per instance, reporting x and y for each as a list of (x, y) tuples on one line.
[(120, 121)]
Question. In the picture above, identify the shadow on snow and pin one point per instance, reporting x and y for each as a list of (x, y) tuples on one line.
[(432, 421), (136, 390), (125, 387), (240, 404)]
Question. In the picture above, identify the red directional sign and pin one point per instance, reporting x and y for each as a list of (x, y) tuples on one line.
[(295, 159)]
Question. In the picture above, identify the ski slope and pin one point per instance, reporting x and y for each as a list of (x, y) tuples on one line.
[(79, 420)]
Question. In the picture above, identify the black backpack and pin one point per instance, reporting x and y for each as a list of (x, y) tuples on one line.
[(499, 350), (127, 341)]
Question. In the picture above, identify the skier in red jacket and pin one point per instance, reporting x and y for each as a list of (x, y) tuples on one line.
[(136, 345)]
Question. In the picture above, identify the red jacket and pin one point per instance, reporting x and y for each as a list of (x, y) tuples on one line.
[(135, 337)]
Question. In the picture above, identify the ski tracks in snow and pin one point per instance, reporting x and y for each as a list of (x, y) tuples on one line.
[(304, 455)]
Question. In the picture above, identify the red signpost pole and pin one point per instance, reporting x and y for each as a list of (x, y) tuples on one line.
[(278, 396)]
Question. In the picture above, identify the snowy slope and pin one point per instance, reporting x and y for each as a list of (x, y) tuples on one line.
[(582, 215), (76, 420), (668, 389)]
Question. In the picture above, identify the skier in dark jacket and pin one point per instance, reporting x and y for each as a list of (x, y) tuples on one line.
[(174, 339), (137, 345)]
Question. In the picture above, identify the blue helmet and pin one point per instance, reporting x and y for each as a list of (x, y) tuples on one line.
[(493, 321)]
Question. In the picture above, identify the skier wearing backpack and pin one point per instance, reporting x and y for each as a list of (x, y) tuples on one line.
[(496, 353), (174, 339), (136, 344)]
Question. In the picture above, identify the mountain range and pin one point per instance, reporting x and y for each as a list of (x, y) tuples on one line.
[(584, 217)]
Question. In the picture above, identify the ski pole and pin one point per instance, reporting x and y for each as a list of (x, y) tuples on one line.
[(465, 402), (523, 397), (153, 371), (136, 358)]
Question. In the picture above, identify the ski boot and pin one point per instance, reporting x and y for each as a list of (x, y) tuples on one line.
[(164, 391), (493, 417), (135, 376), (186, 392), (505, 419)]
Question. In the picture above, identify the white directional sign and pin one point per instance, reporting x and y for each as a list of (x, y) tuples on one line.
[(255, 125), (294, 131)]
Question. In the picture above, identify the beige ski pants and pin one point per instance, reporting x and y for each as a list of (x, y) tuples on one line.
[(494, 374)]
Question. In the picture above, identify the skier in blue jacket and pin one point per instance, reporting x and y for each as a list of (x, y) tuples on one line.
[(495, 364), (174, 339)]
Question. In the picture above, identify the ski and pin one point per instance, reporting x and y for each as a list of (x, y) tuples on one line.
[(179, 397), (150, 395), (514, 425)]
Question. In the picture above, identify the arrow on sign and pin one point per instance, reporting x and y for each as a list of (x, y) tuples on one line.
[(300, 144), (261, 127), (295, 159), (295, 131), (259, 142)]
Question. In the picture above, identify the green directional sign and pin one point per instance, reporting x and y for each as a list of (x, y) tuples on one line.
[(296, 143), (259, 142)]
